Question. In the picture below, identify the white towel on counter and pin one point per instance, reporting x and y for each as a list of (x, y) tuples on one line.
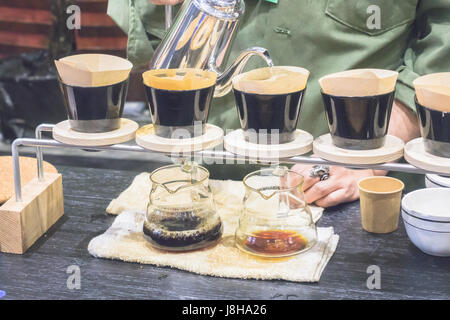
[(124, 241)]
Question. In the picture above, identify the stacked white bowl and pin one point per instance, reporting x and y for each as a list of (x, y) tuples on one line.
[(437, 181), (426, 215)]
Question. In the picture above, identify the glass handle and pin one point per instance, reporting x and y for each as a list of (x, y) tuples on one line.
[(283, 205), (280, 171)]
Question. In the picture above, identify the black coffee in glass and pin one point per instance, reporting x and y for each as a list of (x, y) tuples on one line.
[(358, 123)]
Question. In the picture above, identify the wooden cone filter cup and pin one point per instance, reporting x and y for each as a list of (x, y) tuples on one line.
[(433, 91), (359, 82), (273, 80), (93, 70), (179, 79)]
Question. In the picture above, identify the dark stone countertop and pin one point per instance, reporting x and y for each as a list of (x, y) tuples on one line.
[(41, 273)]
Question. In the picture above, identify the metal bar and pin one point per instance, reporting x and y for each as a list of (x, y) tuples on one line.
[(39, 157), (401, 167), (16, 169), (391, 166), (209, 154)]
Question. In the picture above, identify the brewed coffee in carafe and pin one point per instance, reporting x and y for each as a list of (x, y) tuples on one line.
[(181, 214), (275, 220)]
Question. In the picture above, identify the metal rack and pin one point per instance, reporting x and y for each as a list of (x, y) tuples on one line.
[(39, 143)]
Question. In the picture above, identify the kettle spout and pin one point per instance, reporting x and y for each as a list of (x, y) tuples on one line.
[(223, 85)]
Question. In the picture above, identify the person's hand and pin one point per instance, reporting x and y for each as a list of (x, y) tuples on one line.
[(169, 2), (340, 187)]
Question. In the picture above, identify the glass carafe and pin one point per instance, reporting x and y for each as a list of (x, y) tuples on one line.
[(275, 220), (181, 213)]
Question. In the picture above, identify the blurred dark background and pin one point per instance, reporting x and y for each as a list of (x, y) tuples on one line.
[(32, 34)]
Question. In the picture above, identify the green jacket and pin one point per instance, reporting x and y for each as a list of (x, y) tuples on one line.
[(323, 36)]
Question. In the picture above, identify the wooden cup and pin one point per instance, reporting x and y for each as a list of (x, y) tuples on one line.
[(380, 199)]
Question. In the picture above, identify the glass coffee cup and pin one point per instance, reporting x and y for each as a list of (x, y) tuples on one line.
[(435, 130), (358, 123), (94, 88), (358, 105), (95, 109), (268, 102), (179, 100)]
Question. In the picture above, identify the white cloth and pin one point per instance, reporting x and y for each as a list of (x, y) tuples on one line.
[(124, 241)]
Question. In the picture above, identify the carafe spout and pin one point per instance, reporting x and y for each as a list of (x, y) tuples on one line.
[(223, 85)]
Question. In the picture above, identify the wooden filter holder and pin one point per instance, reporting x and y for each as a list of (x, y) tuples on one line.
[(391, 151), (147, 138), (235, 142), (127, 131), (416, 155), (23, 222)]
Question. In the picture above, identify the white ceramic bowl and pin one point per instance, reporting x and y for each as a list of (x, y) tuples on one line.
[(426, 215), (437, 181)]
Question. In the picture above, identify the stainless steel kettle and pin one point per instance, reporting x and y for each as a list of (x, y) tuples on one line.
[(200, 37)]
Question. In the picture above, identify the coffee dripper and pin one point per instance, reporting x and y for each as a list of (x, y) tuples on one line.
[(181, 214), (275, 220), (200, 38)]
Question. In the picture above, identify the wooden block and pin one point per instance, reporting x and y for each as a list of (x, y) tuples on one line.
[(22, 223), (28, 171)]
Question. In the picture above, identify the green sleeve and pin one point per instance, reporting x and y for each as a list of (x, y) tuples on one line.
[(144, 24), (118, 11), (429, 50)]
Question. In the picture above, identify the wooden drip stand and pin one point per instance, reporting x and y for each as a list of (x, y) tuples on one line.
[(33, 210), (39, 204)]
